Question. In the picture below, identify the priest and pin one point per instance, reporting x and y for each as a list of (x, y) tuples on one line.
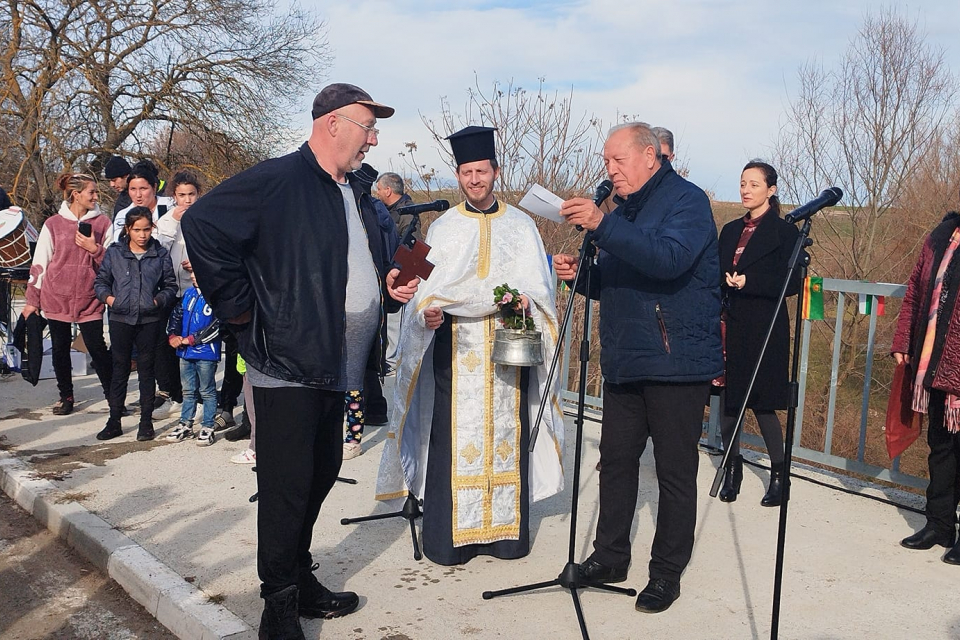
[(460, 424)]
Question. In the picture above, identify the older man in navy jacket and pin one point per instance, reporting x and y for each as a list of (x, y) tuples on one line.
[(657, 279)]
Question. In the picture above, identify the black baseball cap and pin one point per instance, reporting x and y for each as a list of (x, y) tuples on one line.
[(334, 96)]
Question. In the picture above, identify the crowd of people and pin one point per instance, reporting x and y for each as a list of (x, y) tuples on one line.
[(286, 272)]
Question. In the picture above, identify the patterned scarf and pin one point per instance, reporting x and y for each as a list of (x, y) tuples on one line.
[(921, 395)]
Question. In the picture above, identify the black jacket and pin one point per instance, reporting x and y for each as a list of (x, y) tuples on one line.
[(143, 289), (272, 240), (749, 311)]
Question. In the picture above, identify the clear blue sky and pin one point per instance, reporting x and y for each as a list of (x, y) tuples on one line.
[(719, 73)]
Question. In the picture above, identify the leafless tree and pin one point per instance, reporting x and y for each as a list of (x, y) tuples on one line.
[(864, 126), (80, 80), (869, 125)]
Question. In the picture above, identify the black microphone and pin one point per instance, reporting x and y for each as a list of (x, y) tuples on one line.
[(604, 189), (416, 209), (827, 198)]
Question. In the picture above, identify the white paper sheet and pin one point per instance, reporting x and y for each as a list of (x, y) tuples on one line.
[(541, 202)]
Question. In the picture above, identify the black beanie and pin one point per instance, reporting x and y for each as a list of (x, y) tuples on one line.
[(115, 168)]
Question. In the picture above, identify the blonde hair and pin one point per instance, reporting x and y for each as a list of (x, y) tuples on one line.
[(70, 182)]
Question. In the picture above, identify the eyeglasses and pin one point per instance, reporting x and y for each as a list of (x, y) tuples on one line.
[(372, 130)]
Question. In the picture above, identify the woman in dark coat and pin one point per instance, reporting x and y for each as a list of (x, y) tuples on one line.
[(928, 339), (754, 252)]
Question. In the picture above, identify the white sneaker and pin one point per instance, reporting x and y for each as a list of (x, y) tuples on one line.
[(206, 437), (351, 450), (181, 432), (245, 457)]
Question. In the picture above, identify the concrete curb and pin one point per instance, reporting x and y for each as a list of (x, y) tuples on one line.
[(175, 603)]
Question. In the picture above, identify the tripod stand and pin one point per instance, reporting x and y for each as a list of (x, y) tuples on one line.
[(570, 578), (798, 261), (410, 511)]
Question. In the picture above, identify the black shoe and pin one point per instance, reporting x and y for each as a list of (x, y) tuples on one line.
[(280, 620), (952, 556), (377, 421), (927, 538), (239, 431), (732, 477), (774, 495), (112, 430), (658, 595), (223, 421), (593, 571), (64, 407), (316, 601), (146, 433)]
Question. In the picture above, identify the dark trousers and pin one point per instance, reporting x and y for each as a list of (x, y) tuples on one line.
[(167, 365), (672, 415), (299, 453), (232, 380), (943, 492), (375, 405), (61, 338), (123, 337)]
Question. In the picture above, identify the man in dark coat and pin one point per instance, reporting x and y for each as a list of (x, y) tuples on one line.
[(391, 191), (657, 279), (289, 253)]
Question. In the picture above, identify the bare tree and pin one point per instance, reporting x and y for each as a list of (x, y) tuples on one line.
[(81, 80), (870, 125), (864, 126)]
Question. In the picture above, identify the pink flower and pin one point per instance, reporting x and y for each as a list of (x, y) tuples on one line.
[(507, 298)]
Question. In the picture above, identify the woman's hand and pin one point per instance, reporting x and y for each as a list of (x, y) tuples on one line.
[(28, 310), (735, 280), (111, 300), (86, 243), (900, 358)]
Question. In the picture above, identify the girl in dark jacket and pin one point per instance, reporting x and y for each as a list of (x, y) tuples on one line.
[(754, 252), (136, 281)]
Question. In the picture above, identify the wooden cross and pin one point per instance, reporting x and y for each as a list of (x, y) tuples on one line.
[(412, 258)]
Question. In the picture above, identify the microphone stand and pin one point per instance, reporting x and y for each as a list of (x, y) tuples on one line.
[(798, 261), (570, 578), (411, 509)]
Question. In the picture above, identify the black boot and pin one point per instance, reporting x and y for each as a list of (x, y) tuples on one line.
[(280, 620), (732, 477), (239, 431), (774, 494), (112, 430), (316, 601)]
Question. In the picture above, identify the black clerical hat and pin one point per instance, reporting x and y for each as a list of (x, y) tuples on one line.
[(472, 144)]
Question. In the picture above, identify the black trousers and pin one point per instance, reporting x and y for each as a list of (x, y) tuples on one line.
[(232, 380), (123, 337), (61, 338), (299, 453), (943, 492), (375, 405), (671, 415), (167, 365)]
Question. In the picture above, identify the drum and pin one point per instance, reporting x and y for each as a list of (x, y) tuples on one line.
[(14, 249)]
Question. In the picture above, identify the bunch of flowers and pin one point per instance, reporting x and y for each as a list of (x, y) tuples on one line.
[(512, 315)]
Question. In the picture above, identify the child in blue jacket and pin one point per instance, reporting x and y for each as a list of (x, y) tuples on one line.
[(195, 333)]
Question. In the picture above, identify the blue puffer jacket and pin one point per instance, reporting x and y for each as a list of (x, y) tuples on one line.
[(143, 288), (658, 281)]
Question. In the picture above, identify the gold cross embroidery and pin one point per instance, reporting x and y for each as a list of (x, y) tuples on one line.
[(504, 450), (470, 453), (471, 361)]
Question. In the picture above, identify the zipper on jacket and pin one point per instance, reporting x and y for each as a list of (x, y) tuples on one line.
[(663, 328)]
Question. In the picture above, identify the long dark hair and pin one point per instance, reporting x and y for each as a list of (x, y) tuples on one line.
[(146, 170), (770, 177)]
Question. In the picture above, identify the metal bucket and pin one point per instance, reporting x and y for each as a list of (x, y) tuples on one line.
[(516, 347)]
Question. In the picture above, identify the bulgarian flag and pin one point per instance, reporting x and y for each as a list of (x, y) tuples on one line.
[(866, 303), (813, 298)]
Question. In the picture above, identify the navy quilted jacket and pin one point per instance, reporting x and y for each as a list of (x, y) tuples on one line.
[(658, 281)]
